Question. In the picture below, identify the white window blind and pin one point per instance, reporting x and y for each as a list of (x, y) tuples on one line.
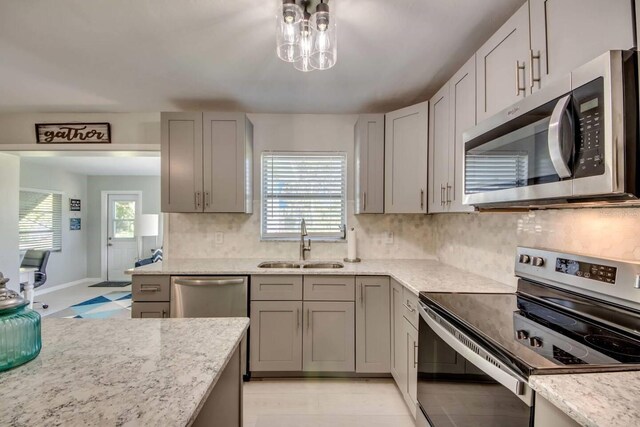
[(303, 185), (496, 171), (40, 220)]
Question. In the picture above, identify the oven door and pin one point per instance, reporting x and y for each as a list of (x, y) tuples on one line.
[(524, 153), (459, 383)]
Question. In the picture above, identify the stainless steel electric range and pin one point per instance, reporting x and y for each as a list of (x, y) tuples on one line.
[(571, 313)]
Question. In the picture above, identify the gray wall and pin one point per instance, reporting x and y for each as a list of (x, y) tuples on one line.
[(9, 254), (150, 188), (70, 264)]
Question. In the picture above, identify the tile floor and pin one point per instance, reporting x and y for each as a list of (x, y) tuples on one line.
[(65, 298), (324, 403), (114, 305)]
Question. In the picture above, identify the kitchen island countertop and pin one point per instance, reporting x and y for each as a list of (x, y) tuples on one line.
[(120, 372)]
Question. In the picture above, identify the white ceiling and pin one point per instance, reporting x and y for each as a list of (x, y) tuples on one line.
[(98, 165), (153, 55)]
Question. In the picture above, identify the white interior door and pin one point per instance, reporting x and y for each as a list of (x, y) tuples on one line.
[(123, 211)]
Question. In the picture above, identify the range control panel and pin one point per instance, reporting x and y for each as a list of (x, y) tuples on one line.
[(602, 273)]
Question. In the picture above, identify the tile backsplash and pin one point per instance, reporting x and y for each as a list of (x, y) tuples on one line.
[(198, 236), (482, 243)]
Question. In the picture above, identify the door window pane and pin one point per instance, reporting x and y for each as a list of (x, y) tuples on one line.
[(124, 229), (124, 219)]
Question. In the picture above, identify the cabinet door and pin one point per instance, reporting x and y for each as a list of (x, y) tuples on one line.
[(181, 158), (227, 162), (462, 90), (411, 340), (406, 160), (372, 325), (329, 341), (150, 310), (369, 164), (439, 141), (398, 347), (276, 336), (568, 33), (502, 65)]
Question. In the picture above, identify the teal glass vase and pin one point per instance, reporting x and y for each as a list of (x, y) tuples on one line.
[(20, 334)]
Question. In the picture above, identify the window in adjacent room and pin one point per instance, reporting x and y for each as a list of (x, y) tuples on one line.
[(40, 220), (303, 185)]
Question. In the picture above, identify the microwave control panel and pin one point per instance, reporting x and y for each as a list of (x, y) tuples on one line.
[(589, 108)]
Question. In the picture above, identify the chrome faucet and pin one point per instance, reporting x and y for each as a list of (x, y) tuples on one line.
[(304, 248)]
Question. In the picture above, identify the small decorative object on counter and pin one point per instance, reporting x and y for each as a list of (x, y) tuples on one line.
[(351, 246), (20, 339)]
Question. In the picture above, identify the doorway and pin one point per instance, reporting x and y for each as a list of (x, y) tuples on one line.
[(120, 221)]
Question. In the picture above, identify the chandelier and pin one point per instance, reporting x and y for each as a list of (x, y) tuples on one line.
[(304, 39)]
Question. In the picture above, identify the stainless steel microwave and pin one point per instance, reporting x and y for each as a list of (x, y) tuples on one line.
[(574, 141)]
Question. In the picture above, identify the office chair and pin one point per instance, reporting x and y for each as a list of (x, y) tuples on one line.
[(36, 259)]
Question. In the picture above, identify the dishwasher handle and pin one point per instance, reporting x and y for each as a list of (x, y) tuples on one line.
[(208, 282)]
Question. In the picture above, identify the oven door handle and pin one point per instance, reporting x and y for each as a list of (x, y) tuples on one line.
[(484, 362), (561, 137)]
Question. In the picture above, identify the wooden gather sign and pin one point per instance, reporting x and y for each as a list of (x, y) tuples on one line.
[(73, 133)]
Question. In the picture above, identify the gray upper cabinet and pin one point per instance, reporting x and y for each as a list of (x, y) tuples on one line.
[(372, 325), (502, 66), (369, 164), (228, 164), (207, 162), (568, 33), (439, 142), (181, 170), (406, 159), (462, 96)]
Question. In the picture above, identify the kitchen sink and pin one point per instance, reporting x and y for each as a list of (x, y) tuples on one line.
[(279, 264), (323, 265)]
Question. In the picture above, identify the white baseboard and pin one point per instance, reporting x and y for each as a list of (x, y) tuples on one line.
[(66, 285)]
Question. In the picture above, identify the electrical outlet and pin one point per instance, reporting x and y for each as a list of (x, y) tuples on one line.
[(388, 238), (219, 237)]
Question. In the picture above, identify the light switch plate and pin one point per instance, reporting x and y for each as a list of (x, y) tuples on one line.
[(219, 237)]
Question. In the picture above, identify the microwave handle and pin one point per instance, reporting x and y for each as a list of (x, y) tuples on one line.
[(559, 131)]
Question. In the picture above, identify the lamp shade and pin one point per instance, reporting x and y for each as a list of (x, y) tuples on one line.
[(148, 225)]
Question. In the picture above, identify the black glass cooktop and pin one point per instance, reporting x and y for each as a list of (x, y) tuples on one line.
[(536, 336)]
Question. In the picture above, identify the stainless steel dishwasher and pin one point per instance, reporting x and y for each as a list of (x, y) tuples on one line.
[(211, 296)]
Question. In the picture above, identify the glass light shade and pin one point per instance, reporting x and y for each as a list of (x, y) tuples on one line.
[(324, 51), (301, 63), (288, 31)]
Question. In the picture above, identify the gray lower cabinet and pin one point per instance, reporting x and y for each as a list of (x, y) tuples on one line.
[(404, 344), (150, 310), (372, 325), (276, 336), (207, 162), (151, 295), (328, 337), (547, 414), (369, 164)]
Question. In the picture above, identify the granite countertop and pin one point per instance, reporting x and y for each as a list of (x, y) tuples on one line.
[(417, 275), (120, 372), (604, 399)]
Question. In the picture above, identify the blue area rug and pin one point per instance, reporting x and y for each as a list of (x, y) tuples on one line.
[(111, 305)]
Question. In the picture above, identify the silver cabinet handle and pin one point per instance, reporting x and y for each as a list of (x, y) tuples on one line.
[(198, 199), (421, 199), (532, 79), (408, 307), (415, 357), (361, 293), (164, 313), (448, 194), (297, 319), (208, 282), (308, 320), (207, 199), (558, 128), (149, 288), (364, 196), (441, 194), (518, 87)]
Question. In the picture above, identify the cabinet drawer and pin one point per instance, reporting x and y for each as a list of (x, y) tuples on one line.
[(410, 307), (150, 310), (329, 288), (276, 288), (151, 288)]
